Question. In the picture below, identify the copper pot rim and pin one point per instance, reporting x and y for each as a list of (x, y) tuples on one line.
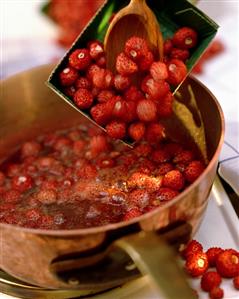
[(113, 226)]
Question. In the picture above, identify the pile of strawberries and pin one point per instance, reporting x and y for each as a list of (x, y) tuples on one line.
[(198, 262), (124, 108)]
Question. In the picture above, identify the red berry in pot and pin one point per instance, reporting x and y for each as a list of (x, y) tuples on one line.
[(22, 183), (121, 82), (68, 76), (125, 66), (227, 263), (154, 133), (69, 91), (12, 196), (165, 194), (139, 198), (119, 108), (30, 148), (96, 49), (116, 129), (83, 98), (184, 156), (80, 59), (131, 114), (99, 144), (83, 82), (103, 79), (145, 61), (165, 105), (216, 293), (100, 113), (105, 95), (210, 280), (193, 170), (185, 38), (132, 213), (174, 180), (154, 90), (136, 47), (177, 71), (136, 131), (78, 147), (133, 94), (196, 264), (146, 110), (212, 254), (181, 54), (91, 71), (159, 71), (163, 168)]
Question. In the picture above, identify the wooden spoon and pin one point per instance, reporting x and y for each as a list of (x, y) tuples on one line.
[(134, 19)]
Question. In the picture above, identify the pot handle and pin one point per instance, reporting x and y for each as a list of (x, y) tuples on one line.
[(158, 260)]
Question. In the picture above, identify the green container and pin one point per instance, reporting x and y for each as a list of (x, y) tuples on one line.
[(170, 14)]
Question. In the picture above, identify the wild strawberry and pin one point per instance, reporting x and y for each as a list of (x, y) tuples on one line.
[(165, 194), (103, 79), (174, 180), (69, 91), (91, 71), (101, 62), (99, 144), (210, 280), (78, 147), (119, 108), (125, 66), (131, 114), (83, 98), (167, 46), (133, 94), (165, 105), (185, 156), (154, 90), (143, 150), (163, 168), (136, 47), (47, 196), (136, 131), (132, 213), (74, 135), (95, 49), (185, 38), (95, 92), (68, 76), (196, 264), (216, 293), (22, 183), (83, 82), (145, 61), (62, 143), (12, 196), (177, 71), (160, 156), (105, 162), (80, 59), (13, 169), (155, 132), (193, 170), (30, 148), (227, 263), (139, 198), (87, 171), (50, 184), (33, 214), (181, 54), (146, 110), (212, 254), (105, 95), (100, 113), (116, 129), (173, 148), (144, 181), (158, 71), (121, 82), (192, 247), (236, 282)]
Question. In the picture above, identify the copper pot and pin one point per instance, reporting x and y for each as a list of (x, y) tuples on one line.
[(37, 256)]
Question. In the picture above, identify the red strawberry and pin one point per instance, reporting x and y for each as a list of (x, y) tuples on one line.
[(131, 114), (173, 148), (105, 95), (68, 76), (69, 91), (95, 49), (144, 181), (193, 170), (136, 131), (125, 66), (116, 129), (47, 196), (105, 162), (143, 150), (165, 105), (30, 149), (146, 110), (185, 156), (163, 168), (185, 38), (136, 47), (12, 196), (177, 71), (121, 82), (210, 280), (80, 59), (139, 198), (133, 94), (154, 90), (87, 171), (160, 156), (103, 79), (165, 194), (99, 144), (83, 98), (159, 71), (212, 254), (227, 263), (192, 247), (78, 146), (83, 82), (216, 293), (145, 61), (196, 264), (100, 113), (167, 46), (181, 54), (119, 108), (236, 282), (91, 71), (174, 180), (155, 132), (22, 183), (132, 213), (101, 62)]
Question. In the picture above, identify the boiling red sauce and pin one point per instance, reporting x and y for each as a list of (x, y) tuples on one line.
[(80, 178)]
